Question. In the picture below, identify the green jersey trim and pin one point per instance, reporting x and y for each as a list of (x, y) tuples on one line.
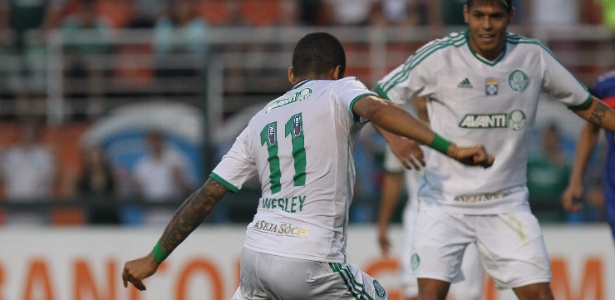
[(354, 116), (456, 39), (583, 105), (382, 93), (517, 39), (487, 62), (223, 182), (301, 83), (356, 289)]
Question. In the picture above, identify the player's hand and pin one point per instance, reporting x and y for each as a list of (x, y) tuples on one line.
[(137, 270), (384, 242), (471, 156), (570, 196), (408, 152)]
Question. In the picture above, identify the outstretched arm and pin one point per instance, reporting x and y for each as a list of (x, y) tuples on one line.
[(187, 218), (599, 114), (585, 147), (408, 151), (391, 117)]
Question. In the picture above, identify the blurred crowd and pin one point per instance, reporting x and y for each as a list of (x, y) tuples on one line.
[(35, 166)]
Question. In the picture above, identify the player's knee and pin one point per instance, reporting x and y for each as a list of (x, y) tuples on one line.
[(540, 291), (430, 289)]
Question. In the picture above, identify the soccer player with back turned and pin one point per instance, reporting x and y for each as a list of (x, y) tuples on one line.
[(300, 146)]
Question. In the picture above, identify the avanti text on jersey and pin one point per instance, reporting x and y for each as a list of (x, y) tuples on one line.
[(291, 205)]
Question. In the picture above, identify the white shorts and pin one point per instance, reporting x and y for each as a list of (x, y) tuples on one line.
[(511, 247), (265, 276), (469, 284)]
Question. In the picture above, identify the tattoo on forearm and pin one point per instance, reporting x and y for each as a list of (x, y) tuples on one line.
[(598, 114), (191, 214)]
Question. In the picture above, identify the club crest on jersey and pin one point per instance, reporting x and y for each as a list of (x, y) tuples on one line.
[(518, 81), (380, 291), (415, 261), (517, 120), (297, 125), (491, 86), (271, 132)]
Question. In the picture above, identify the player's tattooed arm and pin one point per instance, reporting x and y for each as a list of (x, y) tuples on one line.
[(191, 214), (598, 113)]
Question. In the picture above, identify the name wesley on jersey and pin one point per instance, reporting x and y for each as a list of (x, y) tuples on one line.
[(291, 205)]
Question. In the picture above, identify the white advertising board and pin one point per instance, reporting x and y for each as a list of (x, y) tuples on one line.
[(86, 264)]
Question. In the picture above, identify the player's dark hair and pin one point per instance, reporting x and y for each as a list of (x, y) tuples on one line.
[(507, 4), (317, 53)]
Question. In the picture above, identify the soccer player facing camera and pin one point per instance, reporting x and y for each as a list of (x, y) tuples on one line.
[(483, 85)]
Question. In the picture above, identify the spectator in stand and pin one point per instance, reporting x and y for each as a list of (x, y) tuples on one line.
[(350, 12), (398, 12), (28, 172), (87, 34), (180, 32), (547, 176), (99, 187), (28, 21), (162, 176)]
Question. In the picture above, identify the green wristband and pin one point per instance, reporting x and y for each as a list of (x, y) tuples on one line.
[(439, 143), (159, 254)]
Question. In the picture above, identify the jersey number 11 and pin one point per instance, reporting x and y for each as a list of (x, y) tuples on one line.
[(269, 137)]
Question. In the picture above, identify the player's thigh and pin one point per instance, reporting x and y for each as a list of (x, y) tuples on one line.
[(439, 243), (473, 273), (513, 249), (408, 278)]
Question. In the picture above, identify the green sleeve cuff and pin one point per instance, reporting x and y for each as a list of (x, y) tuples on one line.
[(223, 182), (583, 105), (355, 117)]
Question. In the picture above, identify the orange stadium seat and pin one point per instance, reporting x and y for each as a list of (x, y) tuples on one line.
[(215, 12), (119, 12), (260, 12), (68, 216)]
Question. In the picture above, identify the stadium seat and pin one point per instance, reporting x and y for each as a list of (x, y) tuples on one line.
[(215, 12), (260, 12)]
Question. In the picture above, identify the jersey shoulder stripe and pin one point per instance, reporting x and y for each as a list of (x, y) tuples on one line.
[(517, 39), (454, 39)]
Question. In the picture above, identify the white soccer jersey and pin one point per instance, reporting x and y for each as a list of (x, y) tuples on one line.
[(301, 145), (471, 101)]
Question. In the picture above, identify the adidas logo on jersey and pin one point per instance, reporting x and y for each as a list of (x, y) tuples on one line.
[(465, 84)]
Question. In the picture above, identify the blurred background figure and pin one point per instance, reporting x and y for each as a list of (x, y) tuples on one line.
[(349, 12), (180, 40), (161, 176), (23, 25), (548, 170), (99, 186), (28, 172), (87, 33)]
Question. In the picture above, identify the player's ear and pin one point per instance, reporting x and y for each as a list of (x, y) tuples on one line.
[(466, 14), (291, 75), (336, 73)]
